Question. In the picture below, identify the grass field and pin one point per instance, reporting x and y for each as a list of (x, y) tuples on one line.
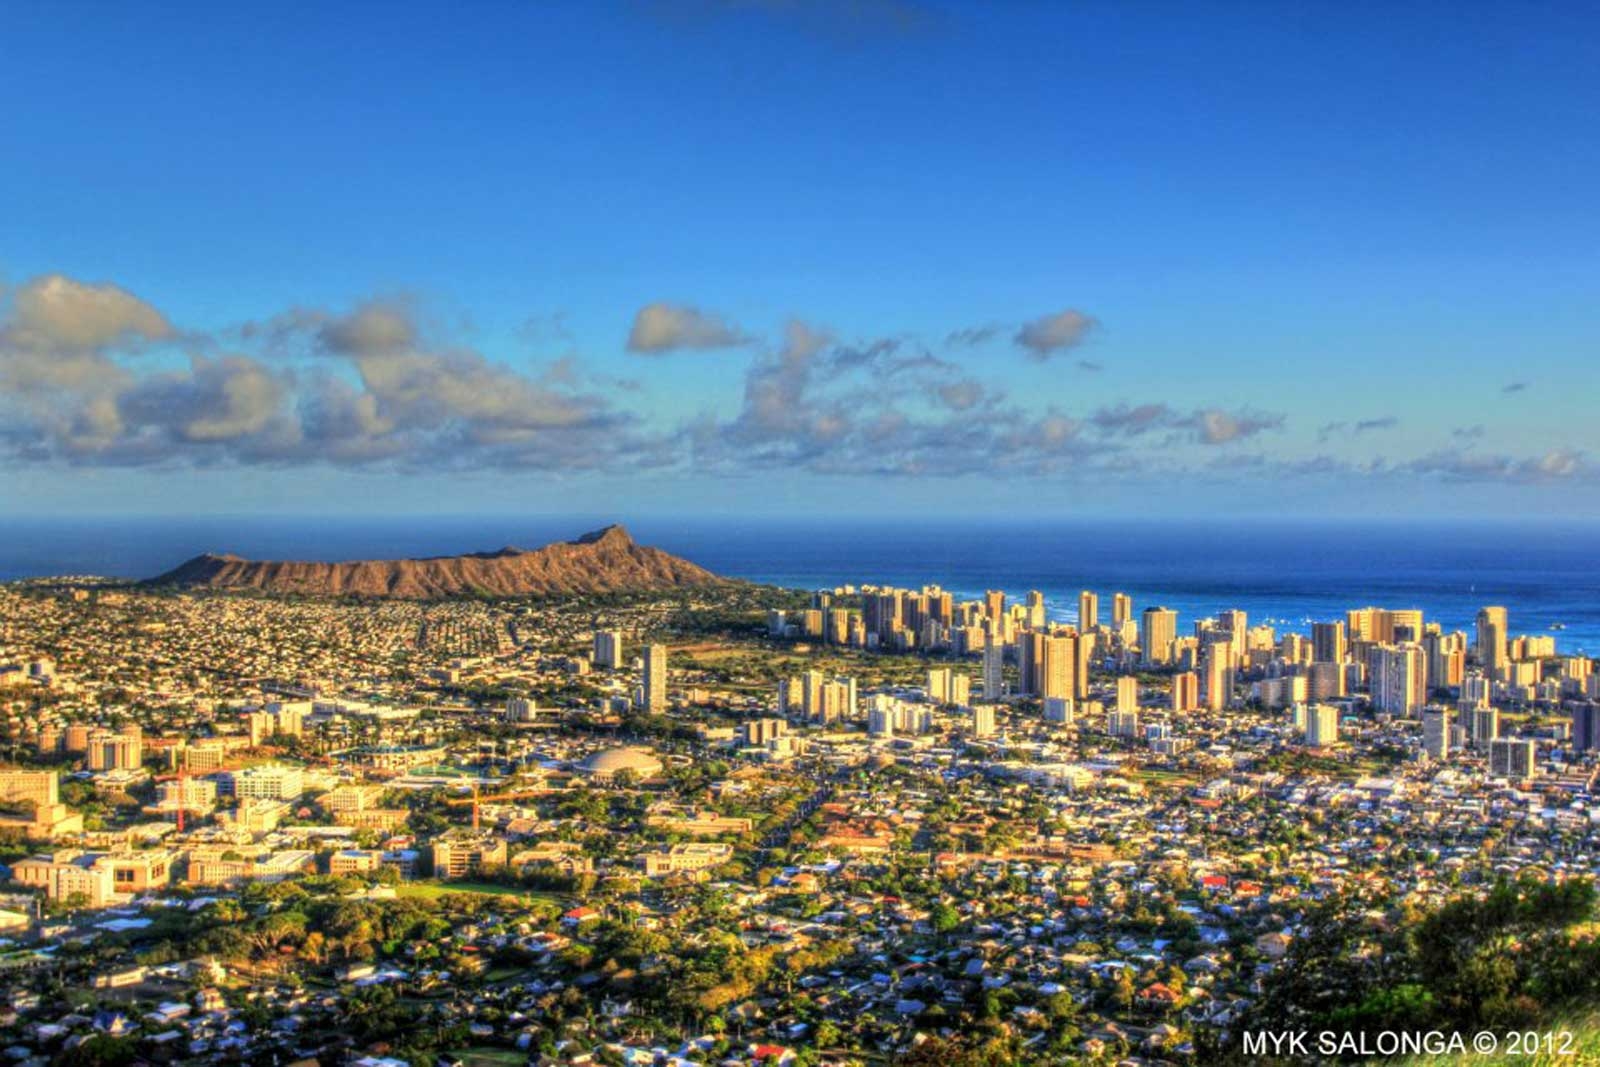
[(435, 890), (491, 1057)]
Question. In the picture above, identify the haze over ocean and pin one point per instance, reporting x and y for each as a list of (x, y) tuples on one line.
[(1282, 572)]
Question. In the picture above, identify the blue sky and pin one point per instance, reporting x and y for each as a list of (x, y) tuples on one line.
[(1044, 258)]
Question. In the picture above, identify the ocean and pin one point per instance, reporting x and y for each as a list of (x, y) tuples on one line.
[(1282, 572)]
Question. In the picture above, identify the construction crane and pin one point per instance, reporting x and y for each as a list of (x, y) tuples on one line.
[(182, 778)]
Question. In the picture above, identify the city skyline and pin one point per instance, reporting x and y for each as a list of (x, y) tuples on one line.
[(799, 533), (748, 258)]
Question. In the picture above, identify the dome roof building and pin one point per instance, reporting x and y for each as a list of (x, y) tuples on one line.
[(607, 764)]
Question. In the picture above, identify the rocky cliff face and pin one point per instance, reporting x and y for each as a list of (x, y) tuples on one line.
[(606, 560)]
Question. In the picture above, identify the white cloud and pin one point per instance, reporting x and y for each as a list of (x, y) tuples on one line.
[(1044, 337), (659, 328)]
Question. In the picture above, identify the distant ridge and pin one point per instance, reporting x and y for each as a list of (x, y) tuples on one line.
[(603, 561)]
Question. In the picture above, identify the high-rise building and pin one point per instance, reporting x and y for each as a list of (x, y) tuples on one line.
[(1185, 692), (994, 669), (1236, 624), (1322, 725), (75, 739), (653, 693), (1484, 726), (946, 686), (837, 628), (1327, 642), (1030, 662), (264, 781), (1513, 759), (1121, 609), (1158, 628), (119, 750), (1088, 611), (1398, 679), (882, 613), (1283, 690), (1294, 648), (1402, 625), (983, 720), (1436, 733), (811, 623), (291, 717), (460, 852), (1384, 626), (259, 726), (1123, 724), (1035, 609), (994, 604), (1490, 648), (880, 721), (813, 697), (522, 709), (760, 731), (1586, 726), (1217, 668), (1446, 659), (1127, 693), (838, 701), (1476, 691), (1066, 666), (608, 648), (1326, 681), (1059, 710)]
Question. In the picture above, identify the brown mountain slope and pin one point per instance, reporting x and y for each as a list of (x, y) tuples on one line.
[(607, 560)]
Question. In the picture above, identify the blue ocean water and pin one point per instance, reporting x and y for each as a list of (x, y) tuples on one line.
[(1286, 572)]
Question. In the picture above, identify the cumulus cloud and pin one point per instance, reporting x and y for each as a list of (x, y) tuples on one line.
[(57, 332), (55, 311), (1044, 337), (1555, 465), (1207, 426), (374, 328), (92, 375), (817, 405), (311, 385), (1132, 420), (1214, 426), (212, 401), (659, 328)]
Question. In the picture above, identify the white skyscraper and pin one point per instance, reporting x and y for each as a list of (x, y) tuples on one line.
[(1322, 725), (654, 689), (994, 660)]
